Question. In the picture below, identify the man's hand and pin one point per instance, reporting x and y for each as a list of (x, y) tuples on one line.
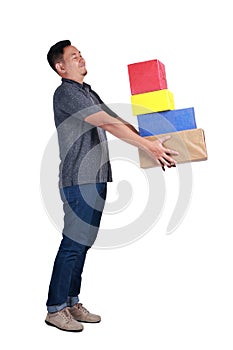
[(161, 154)]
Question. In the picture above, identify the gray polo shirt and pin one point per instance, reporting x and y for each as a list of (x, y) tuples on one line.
[(83, 147)]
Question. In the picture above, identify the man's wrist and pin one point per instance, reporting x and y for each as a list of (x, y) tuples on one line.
[(145, 144)]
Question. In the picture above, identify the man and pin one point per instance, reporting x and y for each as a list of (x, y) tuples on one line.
[(82, 119)]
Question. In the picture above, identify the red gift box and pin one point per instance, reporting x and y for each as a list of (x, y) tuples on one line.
[(147, 76)]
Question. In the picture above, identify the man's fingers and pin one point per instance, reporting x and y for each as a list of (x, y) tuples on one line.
[(164, 138), (167, 150), (172, 152), (164, 155), (166, 161), (163, 167)]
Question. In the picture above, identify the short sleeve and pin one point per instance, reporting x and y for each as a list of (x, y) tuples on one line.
[(69, 101)]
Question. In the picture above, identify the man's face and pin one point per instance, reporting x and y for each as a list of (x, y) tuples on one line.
[(73, 62)]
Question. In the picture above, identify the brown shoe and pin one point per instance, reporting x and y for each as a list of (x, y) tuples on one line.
[(81, 314), (63, 321)]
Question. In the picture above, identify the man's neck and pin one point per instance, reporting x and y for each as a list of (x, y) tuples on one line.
[(79, 79)]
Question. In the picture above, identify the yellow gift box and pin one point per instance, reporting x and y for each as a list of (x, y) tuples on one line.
[(190, 144), (155, 101)]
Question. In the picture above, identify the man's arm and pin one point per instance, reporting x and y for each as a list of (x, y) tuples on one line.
[(130, 126), (118, 128), (110, 112)]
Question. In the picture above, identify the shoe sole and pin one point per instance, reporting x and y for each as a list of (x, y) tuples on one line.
[(65, 330)]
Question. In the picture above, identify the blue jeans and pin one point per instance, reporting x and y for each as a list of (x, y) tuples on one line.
[(83, 206)]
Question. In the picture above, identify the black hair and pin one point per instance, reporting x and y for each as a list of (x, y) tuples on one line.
[(56, 53)]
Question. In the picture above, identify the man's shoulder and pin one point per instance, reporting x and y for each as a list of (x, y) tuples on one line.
[(64, 88)]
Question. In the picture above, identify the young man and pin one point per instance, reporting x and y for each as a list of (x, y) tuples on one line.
[(82, 119)]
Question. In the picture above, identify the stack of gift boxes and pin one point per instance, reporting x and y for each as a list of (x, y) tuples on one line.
[(153, 104)]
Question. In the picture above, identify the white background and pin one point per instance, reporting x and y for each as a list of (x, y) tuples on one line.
[(162, 292)]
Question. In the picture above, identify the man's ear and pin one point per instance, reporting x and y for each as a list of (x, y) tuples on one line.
[(60, 68)]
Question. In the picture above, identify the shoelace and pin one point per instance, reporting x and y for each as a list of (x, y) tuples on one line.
[(66, 315), (82, 308)]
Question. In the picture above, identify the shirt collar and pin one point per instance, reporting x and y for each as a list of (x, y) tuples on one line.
[(81, 86)]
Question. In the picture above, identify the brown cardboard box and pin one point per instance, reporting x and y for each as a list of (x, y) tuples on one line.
[(189, 143)]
